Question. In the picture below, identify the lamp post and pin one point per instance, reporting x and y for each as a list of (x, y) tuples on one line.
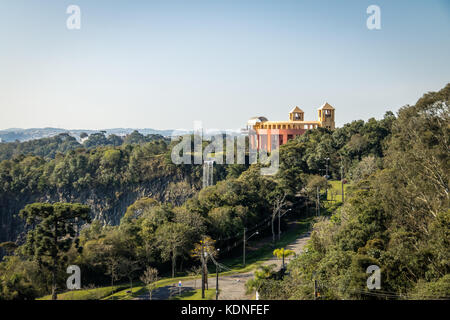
[(326, 177), (217, 278), (342, 183), (245, 240), (217, 275), (279, 223), (203, 255), (317, 202)]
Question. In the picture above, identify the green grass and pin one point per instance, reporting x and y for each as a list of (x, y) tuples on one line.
[(334, 197), (140, 289), (87, 294), (196, 295), (335, 192)]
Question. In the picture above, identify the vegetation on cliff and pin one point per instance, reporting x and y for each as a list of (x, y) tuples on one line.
[(396, 215)]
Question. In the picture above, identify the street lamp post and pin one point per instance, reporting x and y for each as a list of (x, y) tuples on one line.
[(217, 281), (217, 278), (245, 241), (243, 249), (342, 182), (326, 177), (204, 254), (279, 223), (318, 202)]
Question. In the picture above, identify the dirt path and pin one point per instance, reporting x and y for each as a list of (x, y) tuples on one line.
[(231, 287)]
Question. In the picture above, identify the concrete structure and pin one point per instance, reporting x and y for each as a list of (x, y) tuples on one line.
[(262, 132)]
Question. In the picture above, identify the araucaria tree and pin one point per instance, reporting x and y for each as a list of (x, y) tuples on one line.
[(52, 234)]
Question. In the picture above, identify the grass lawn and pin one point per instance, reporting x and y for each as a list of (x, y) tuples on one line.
[(139, 289), (335, 193), (87, 294), (196, 295)]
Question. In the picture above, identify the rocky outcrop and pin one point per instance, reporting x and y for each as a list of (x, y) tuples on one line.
[(107, 205)]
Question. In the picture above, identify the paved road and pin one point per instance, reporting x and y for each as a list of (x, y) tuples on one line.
[(231, 287)]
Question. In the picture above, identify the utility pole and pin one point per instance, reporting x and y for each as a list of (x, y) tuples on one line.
[(326, 177), (203, 270), (244, 244), (206, 271), (342, 182), (217, 282), (243, 248), (318, 202), (315, 289), (279, 223)]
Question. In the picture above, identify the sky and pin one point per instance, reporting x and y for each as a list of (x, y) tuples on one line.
[(165, 64)]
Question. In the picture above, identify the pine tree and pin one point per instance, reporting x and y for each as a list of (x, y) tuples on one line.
[(52, 233)]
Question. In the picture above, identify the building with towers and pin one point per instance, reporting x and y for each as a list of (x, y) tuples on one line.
[(262, 132)]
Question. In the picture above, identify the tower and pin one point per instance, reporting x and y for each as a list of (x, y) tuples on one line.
[(326, 116), (296, 114)]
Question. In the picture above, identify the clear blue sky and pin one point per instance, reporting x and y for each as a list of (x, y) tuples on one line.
[(163, 64)]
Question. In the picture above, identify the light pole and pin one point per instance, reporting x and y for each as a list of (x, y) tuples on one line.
[(217, 278), (342, 184), (326, 177), (217, 275), (279, 223), (203, 255), (317, 202), (245, 240)]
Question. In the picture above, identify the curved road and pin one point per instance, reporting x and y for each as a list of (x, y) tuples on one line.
[(232, 287)]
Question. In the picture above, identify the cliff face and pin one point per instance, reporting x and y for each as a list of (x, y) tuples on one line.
[(107, 204)]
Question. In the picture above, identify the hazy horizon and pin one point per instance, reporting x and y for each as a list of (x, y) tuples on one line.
[(163, 65)]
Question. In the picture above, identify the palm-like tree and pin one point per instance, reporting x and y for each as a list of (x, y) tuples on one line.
[(263, 273), (283, 253)]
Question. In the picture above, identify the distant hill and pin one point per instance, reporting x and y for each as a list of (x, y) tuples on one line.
[(14, 134), (21, 135)]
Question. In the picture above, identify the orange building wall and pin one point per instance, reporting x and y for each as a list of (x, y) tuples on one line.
[(263, 139)]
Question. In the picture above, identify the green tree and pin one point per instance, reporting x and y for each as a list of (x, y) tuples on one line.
[(172, 241), (52, 233), (282, 253), (260, 276)]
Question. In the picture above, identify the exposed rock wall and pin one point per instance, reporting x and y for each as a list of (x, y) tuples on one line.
[(107, 205)]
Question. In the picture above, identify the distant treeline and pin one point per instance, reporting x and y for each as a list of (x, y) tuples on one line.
[(63, 142)]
